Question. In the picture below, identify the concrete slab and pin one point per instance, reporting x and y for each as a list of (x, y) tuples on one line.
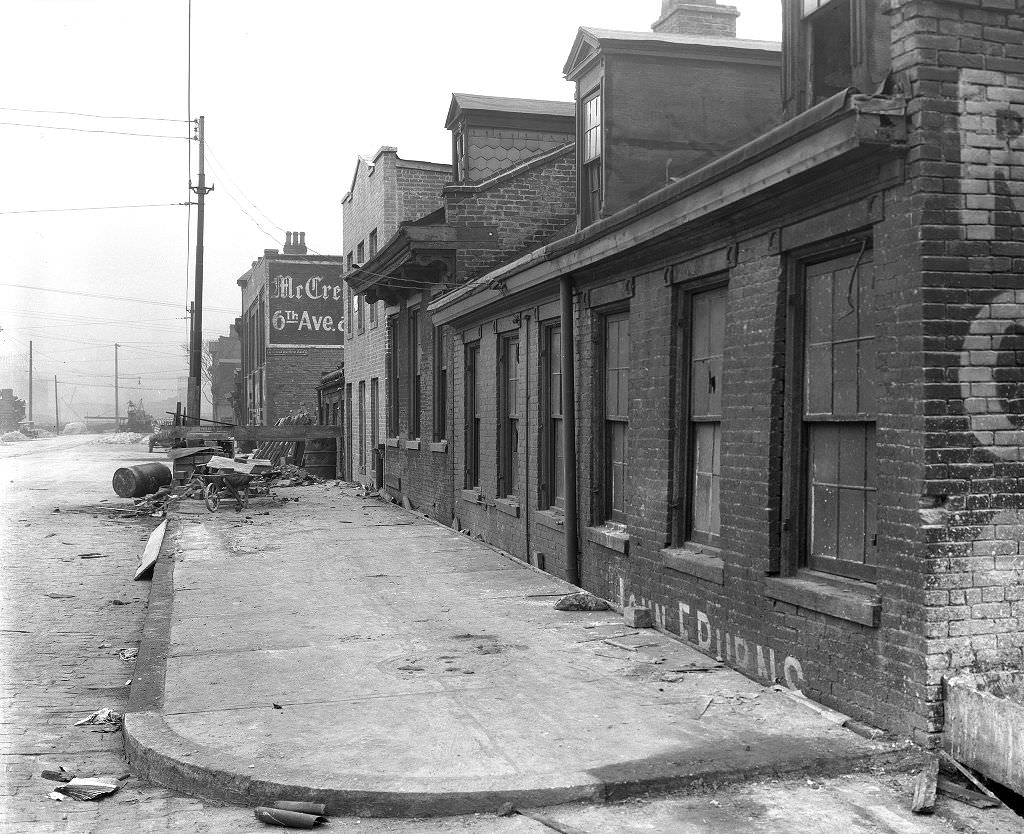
[(417, 672)]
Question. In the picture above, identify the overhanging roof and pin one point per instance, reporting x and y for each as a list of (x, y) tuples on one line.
[(847, 123), (468, 102)]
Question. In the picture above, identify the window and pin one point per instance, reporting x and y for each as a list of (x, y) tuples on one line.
[(361, 252), (348, 429), (414, 374), (552, 476), (440, 386), (334, 415), (392, 380), (373, 315), (360, 314), (349, 330), (373, 243), (349, 261), (704, 334), (362, 426), (616, 416), (829, 34), (460, 155), (472, 417), (508, 416), (838, 417), (591, 182)]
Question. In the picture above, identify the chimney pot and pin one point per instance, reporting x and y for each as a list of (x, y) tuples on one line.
[(704, 18), (302, 239)]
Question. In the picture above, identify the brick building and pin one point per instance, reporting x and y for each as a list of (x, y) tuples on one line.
[(777, 399), (386, 191), (292, 329), (225, 361), (515, 168)]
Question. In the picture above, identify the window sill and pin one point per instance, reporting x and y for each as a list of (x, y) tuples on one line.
[(391, 442), (857, 602), (471, 496), (614, 538), (551, 519), (412, 445), (440, 446), (507, 506), (706, 565)]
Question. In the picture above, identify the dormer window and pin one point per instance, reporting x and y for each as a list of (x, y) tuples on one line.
[(460, 156), (591, 181)]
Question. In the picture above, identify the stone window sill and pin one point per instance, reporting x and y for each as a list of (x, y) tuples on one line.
[(702, 563), (507, 506), (472, 496), (440, 446), (614, 538), (857, 602), (412, 445), (550, 518), (391, 442)]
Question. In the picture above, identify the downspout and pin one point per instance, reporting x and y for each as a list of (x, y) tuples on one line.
[(527, 492), (572, 566)]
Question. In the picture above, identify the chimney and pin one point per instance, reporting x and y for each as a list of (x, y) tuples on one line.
[(295, 243), (700, 17)]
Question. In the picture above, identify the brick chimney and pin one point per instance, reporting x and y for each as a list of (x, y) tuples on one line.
[(295, 243), (700, 17)]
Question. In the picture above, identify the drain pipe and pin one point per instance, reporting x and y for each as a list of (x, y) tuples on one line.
[(572, 565)]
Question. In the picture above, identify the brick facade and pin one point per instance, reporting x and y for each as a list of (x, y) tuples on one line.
[(385, 192), (923, 205)]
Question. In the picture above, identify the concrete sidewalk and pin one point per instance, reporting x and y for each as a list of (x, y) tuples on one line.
[(344, 650)]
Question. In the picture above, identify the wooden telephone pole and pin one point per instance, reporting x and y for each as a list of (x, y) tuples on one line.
[(195, 375)]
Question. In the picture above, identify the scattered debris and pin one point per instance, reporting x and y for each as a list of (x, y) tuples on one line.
[(84, 789), (152, 551), (91, 556), (121, 438), (102, 716), (128, 655), (925, 786), (318, 809), (581, 601), (277, 706), (700, 708), (637, 617), (60, 774), (970, 777), (288, 819), (798, 697), (508, 810), (962, 794), (121, 601), (59, 596)]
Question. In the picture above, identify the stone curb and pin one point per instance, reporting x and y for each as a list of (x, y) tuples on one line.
[(160, 755)]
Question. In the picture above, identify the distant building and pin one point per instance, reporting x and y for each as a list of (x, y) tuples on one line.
[(225, 360), (386, 191), (292, 329), (12, 410)]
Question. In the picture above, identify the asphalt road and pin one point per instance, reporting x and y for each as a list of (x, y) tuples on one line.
[(69, 610)]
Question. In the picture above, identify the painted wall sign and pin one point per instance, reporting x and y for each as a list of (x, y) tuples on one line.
[(306, 307)]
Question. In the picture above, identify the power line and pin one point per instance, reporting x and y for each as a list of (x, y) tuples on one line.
[(95, 130), (93, 208), (114, 297), (90, 115), (230, 179)]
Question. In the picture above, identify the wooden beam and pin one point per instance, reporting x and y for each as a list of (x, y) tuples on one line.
[(259, 434)]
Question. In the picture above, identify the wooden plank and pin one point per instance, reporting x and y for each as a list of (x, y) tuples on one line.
[(971, 777), (152, 551), (962, 794), (925, 786), (260, 434)]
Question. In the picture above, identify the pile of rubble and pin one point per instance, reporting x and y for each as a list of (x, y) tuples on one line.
[(292, 475), (12, 437), (121, 438)]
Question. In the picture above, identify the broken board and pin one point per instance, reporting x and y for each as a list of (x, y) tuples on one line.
[(152, 551)]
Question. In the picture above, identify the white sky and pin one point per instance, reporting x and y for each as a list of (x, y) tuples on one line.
[(292, 91)]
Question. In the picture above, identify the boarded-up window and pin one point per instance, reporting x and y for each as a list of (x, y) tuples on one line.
[(707, 348), (553, 455), (508, 417), (616, 415), (839, 416), (472, 416)]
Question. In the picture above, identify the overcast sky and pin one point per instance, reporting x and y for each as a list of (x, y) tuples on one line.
[(292, 92)]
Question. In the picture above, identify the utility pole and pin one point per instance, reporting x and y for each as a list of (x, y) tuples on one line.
[(117, 393), (56, 405), (195, 376), (30, 382)]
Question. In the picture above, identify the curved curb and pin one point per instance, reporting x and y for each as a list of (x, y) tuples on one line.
[(157, 753)]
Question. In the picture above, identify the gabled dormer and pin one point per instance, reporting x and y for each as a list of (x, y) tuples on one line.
[(831, 45), (491, 134), (654, 106)]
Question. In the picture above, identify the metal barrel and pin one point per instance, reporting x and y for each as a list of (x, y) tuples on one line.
[(320, 458), (144, 479)]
